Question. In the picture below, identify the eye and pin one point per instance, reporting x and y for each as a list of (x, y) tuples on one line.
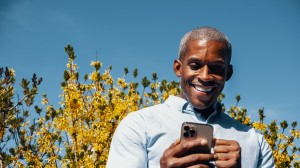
[(195, 66), (217, 69)]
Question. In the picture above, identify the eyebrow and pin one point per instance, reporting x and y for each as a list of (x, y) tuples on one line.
[(217, 61)]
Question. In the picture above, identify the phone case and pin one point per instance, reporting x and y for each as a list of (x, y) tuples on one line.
[(191, 131)]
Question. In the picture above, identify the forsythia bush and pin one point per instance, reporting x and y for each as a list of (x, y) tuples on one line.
[(78, 133)]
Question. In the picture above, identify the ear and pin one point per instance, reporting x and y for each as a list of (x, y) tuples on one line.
[(177, 67), (229, 72)]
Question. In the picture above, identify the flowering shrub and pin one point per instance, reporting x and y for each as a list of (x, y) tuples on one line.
[(281, 141), (78, 133)]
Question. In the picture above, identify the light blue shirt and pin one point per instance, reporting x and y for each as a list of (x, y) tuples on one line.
[(143, 136)]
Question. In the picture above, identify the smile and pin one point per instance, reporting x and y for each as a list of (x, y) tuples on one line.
[(205, 89)]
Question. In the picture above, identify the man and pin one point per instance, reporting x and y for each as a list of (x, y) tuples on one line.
[(149, 137)]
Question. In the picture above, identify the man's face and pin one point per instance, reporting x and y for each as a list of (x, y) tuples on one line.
[(203, 71)]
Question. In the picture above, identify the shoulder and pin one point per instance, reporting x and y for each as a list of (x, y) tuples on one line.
[(144, 113), (139, 119), (264, 145), (266, 158), (135, 126), (229, 122)]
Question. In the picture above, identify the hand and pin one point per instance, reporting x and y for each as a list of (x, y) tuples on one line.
[(228, 153), (175, 156)]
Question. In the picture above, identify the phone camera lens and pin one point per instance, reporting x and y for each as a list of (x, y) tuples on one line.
[(187, 128), (192, 132), (185, 134)]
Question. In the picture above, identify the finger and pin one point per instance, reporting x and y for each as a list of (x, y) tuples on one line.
[(191, 160), (227, 163), (175, 143), (169, 151), (227, 156), (199, 166), (226, 149), (184, 147), (225, 142)]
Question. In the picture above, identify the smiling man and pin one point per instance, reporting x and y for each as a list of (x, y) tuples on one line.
[(149, 137), (203, 69)]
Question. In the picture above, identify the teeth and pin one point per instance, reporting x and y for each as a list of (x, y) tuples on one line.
[(203, 89)]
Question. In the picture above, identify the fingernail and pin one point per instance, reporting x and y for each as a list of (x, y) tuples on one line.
[(176, 142), (215, 156), (204, 142)]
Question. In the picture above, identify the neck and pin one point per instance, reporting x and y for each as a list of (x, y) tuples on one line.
[(204, 112)]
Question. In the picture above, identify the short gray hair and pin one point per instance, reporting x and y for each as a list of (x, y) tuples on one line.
[(203, 33)]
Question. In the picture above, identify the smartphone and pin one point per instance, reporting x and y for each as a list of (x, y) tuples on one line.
[(191, 131)]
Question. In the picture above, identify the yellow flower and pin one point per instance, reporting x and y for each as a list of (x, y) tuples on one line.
[(73, 77), (152, 85), (110, 80), (71, 65), (121, 82), (94, 76), (281, 136), (44, 101), (96, 64), (155, 85), (105, 75), (247, 120), (49, 107), (281, 146), (259, 126), (75, 66), (74, 104), (295, 133), (12, 71), (68, 65)]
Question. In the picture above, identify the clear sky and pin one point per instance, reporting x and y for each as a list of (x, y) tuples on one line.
[(145, 35)]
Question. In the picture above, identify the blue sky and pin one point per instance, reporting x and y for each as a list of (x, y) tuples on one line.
[(145, 35)]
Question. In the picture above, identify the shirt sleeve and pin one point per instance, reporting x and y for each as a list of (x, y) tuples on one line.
[(128, 146), (266, 159)]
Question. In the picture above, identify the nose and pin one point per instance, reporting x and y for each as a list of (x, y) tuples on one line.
[(205, 74)]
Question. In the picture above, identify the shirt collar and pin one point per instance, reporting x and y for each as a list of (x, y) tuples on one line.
[(176, 102), (183, 106)]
